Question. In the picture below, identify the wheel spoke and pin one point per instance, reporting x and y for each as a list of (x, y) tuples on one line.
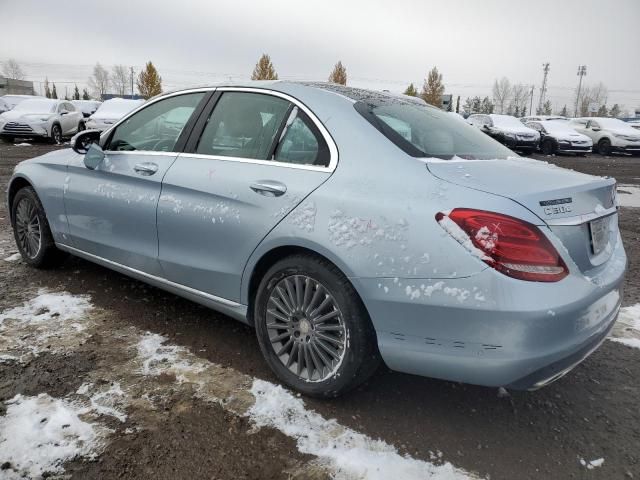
[(334, 341), (299, 291), (329, 328), (308, 290), (327, 300), (284, 347), (316, 296), (307, 361), (289, 290), (300, 359), (325, 317), (278, 315), (292, 354), (327, 349), (281, 337), (284, 300)]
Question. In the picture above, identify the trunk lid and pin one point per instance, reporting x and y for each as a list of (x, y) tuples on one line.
[(568, 202)]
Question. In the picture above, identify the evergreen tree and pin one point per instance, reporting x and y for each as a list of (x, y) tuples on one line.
[(476, 106), (615, 111), (85, 94), (487, 106), (76, 93), (339, 74), (411, 91), (265, 70), (546, 108), (516, 112), (458, 104), (149, 82), (54, 93), (433, 88), (564, 112), (603, 111), (47, 90)]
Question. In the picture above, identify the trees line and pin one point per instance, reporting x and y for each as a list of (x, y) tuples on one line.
[(507, 98)]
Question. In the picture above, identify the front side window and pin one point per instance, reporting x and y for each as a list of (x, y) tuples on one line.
[(157, 127), (243, 125), (302, 144), (425, 131)]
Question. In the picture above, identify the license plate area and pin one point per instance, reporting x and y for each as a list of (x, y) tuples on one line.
[(599, 231)]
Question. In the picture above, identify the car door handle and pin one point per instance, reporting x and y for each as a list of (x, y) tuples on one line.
[(146, 168), (269, 188)]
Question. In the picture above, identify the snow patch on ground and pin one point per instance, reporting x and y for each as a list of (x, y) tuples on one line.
[(38, 434), (590, 465), (627, 328), (105, 400), (158, 358), (629, 196), (13, 258), (348, 453)]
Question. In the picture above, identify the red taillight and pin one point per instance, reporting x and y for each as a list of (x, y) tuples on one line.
[(511, 246)]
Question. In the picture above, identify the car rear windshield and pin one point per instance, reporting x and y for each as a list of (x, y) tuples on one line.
[(424, 131), (506, 121)]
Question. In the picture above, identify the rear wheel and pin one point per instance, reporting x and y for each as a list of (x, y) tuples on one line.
[(604, 146), (31, 230), (548, 147), (7, 139), (312, 327)]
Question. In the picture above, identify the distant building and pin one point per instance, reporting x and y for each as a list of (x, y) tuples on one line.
[(9, 86)]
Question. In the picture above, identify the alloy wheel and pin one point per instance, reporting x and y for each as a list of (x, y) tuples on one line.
[(28, 228), (306, 328)]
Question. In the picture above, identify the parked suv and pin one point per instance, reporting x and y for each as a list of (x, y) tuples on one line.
[(560, 137), (41, 117), (110, 112), (8, 102), (507, 130), (609, 134), (542, 118), (87, 107)]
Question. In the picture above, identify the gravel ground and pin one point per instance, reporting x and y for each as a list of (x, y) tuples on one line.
[(174, 430)]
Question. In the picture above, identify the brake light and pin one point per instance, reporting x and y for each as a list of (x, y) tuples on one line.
[(512, 246)]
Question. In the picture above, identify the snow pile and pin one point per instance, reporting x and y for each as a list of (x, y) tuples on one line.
[(348, 453), (629, 195), (627, 328), (50, 321), (590, 465), (38, 434)]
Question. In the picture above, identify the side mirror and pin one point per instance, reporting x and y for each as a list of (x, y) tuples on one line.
[(93, 157), (81, 140)]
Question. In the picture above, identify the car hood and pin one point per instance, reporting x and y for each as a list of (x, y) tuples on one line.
[(624, 131), (570, 136), (518, 130), (551, 192)]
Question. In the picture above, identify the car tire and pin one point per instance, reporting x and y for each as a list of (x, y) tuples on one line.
[(31, 230), (81, 127), (604, 146), (319, 358), (548, 147), (56, 134), (7, 139)]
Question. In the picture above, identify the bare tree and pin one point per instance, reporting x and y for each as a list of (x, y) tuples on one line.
[(99, 81), (501, 94), (12, 69), (119, 79), (519, 97), (592, 94)]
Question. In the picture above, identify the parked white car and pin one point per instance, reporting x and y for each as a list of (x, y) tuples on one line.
[(560, 137), (507, 130), (609, 134), (41, 117), (87, 107), (110, 112), (634, 124)]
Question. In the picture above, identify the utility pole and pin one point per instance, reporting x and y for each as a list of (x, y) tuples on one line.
[(131, 82), (582, 71), (543, 90), (531, 102)]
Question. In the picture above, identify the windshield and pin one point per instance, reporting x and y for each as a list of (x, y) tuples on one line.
[(36, 106), (117, 108), (506, 121), (425, 131)]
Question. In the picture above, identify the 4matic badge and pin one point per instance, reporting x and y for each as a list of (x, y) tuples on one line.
[(556, 206)]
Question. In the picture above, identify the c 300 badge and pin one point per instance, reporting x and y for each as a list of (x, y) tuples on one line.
[(556, 206)]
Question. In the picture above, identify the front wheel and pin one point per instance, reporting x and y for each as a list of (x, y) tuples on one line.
[(604, 146), (81, 127), (56, 134), (548, 147), (312, 327), (31, 230)]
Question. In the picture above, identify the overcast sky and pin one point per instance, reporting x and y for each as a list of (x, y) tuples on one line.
[(387, 42)]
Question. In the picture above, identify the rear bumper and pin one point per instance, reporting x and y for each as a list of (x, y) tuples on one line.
[(575, 148), (517, 144), (492, 330)]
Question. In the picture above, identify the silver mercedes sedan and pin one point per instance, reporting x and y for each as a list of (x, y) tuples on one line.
[(347, 226)]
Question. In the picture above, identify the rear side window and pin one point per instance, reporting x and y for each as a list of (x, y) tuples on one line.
[(301, 143), (424, 131), (157, 127), (243, 125)]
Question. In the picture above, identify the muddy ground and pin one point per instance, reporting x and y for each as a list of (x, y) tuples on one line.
[(591, 413)]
